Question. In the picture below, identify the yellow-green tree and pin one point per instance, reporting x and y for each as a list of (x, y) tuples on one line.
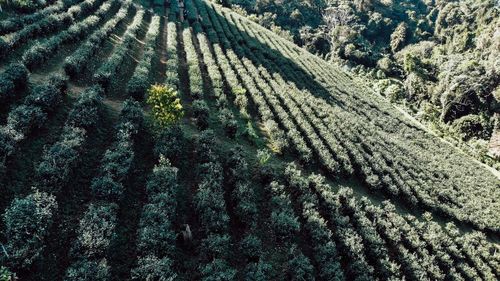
[(165, 103)]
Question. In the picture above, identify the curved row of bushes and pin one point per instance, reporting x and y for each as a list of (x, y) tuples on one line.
[(77, 62), (42, 51), (47, 25)]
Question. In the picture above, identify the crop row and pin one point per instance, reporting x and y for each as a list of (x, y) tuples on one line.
[(156, 237), (28, 219), (104, 75), (30, 115), (217, 87), (397, 247), (48, 25), (172, 65), (41, 52), (78, 61), (211, 207), (53, 172), (226, 116), (140, 80), (374, 167), (15, 23)]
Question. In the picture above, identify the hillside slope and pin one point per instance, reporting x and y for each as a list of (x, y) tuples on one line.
[(95, 189)]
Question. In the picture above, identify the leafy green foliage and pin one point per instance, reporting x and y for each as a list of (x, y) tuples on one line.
[(13, 78), (88, 270), (27, 223), (6, 275), (153, 268), (165, 104), (201, 113)]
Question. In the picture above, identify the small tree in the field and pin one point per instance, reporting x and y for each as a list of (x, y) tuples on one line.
[(165, 103)]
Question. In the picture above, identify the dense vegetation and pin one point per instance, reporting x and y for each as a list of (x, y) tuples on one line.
[(167, 140), (438, 59)]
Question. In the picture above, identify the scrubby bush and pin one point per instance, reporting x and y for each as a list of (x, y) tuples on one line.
[(394, 92), (471, 126), (27, 224)]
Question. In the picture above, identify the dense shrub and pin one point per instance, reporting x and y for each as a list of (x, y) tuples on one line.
[(153, 268), (6, 274), (170, 143), (258, 271), (299, 266), (228, 120), (46, 96), (201, 113), (283, 220), (471, 126), (88, 270), (14, 78), (95, 231), (155, 235), (217, 270), (210, 198), (27, 223), (55, 168), (85, 112)]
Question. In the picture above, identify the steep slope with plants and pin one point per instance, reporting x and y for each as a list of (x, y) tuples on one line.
[(179, 140), (436, 59)]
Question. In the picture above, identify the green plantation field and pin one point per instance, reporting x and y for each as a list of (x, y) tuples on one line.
[(250, 158)]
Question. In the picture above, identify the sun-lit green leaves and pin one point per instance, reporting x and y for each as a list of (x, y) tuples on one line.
[(165, 104)]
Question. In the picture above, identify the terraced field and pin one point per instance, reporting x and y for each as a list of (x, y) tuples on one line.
[(284, 167)]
